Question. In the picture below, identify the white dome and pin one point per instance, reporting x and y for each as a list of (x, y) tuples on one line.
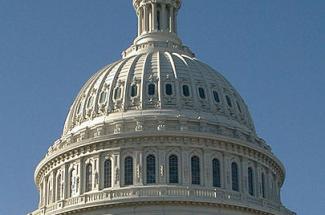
[(159, 132), (120, 92)]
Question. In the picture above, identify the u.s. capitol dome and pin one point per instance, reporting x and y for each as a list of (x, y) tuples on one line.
[(159, 132)]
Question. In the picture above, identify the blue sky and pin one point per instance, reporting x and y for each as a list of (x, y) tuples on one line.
[(273, 52)]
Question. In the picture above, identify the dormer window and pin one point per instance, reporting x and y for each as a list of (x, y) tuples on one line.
[(151, 89), (216, 96), (186, 90), (103, 97), (201, 93), (228, 101), (117, 93), (134, 90), (239, 108), (169, 89), (90, 102)]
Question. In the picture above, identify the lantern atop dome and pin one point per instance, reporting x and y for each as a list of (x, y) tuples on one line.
[(157, 27)]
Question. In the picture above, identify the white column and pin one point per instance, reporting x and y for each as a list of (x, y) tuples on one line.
[(171, 19), (146, 18), (116, 172), (154, 17), (163, 17), (139, 22)]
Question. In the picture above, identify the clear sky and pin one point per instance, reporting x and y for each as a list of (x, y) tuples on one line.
[(272, 51)]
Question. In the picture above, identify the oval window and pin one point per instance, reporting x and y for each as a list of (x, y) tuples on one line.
[(216, 96), (228, 101), (186, 91), (201, 93)]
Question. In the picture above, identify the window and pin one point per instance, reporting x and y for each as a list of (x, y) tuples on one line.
[(73, 183), (58, 187), (128, 171), (168, 89), (238, 106), (216, 96), (90, 101), (151, 89), (134, 90), (89, 177), (263, 185), (79, 108), (117, 93), (195, 169), (229, 101), (250, 181), (234, 177), (173, 169), (186, 90), (201, 93), (107, 173), (103, 97), (151, 169), (216, 173)]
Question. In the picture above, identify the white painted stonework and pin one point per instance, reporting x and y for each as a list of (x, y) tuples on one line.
[(159, 132)]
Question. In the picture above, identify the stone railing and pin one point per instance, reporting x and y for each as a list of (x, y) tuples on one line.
[(165, 193)]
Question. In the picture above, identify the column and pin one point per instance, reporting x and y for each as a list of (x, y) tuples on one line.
[(96, 172), (171, 19), (139, 22), (154, 17), (116, 172), (161, 161), (146, 18), (163, 17), (226, 172), (138, 168)]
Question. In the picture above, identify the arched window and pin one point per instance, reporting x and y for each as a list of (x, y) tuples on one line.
[(128, 171), (250, 181), (228, 101), (151, 169), (89, 177), (216, 96), (151, 89), (173, 169), (117, 93), (201, 93), (58, 187), (134, 90), (107, 173), (169, 89), (195, 169), (73, 183), (234, 177), (186, 90), (216, 173), (263, 185), (103, 97)]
